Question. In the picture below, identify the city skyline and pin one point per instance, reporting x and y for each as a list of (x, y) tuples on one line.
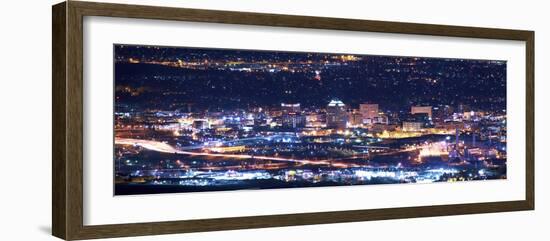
[(200, 119)]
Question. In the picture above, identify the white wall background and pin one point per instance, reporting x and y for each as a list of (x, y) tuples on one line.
[(25, 119)]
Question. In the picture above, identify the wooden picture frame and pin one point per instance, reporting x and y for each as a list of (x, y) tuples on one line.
[(67, 100)]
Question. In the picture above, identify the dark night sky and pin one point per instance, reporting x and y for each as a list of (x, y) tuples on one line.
[(393, 82)]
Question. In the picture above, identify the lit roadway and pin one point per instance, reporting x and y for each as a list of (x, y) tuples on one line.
[(165, 148), (256, 138)]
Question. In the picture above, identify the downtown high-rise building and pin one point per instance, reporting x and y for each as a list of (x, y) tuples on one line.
[(337, 116), (369, 111), (422, 110), (371, 114), (292, 116)]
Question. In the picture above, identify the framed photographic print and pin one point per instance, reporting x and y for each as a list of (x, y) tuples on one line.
[(170, 120)]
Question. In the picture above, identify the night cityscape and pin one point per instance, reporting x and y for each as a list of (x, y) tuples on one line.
[(202, 119)]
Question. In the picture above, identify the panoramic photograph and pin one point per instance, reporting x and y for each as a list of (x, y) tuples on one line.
[(190, 119)]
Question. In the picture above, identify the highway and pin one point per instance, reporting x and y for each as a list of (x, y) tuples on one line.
[(165, 148)]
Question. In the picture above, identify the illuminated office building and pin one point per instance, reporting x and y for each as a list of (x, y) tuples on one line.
[(337, 117)]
